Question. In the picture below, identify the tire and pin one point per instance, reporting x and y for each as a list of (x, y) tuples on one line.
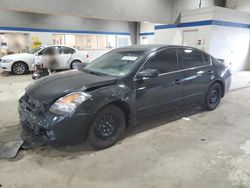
[(72, 66), (19, 68), (213, 97), (107, 127)]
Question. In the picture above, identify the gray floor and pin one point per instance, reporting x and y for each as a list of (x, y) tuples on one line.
[(190, 149)]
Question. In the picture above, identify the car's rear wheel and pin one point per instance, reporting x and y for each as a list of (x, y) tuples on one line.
[(19, 68), (213, 97), (107, 127), (74, 64)]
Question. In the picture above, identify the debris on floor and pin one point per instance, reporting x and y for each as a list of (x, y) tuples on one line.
[(10, 149), (246, 147), (186, 118)]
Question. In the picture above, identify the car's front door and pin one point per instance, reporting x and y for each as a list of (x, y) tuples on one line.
[(156, 95), (197, 74), (65, 55)]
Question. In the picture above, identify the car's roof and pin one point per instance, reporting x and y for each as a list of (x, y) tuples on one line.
[(53, 45), (150, 47)]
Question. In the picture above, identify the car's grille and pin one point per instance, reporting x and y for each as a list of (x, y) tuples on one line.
[(31, 113), (33, 106)]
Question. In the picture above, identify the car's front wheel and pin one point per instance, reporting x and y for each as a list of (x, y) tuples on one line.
[(213, 97), (19, 68), (107, 127)]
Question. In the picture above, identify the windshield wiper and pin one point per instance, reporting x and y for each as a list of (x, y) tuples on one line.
[(95, 73)]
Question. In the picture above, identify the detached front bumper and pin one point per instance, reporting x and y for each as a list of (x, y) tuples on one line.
[(49, 128)]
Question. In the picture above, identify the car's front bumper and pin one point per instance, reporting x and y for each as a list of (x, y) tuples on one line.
[(6, 66), (49, 128)]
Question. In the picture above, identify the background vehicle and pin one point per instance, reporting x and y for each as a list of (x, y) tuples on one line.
[(66, 56), (119, 89), (23, 62), (19, 63)]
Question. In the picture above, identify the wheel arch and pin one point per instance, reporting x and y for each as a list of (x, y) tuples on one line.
[(124, 106), (73, 61), (26, 64), (222, 84)]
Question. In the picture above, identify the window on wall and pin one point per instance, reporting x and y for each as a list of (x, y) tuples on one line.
[(70, 40), (58, 39), (111, 42), (102, 42), (122, 41), (91, 42), (11, 43)]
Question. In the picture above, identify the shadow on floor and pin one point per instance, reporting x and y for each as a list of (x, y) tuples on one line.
[(77, 147), (144, 125)]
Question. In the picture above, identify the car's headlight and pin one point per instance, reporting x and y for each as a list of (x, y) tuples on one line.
[(6, 60), (68, 103)]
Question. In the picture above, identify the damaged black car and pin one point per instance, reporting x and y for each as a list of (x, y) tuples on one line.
[(119, 89)]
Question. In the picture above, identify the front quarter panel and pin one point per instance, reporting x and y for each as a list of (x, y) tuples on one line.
[(106, 95)]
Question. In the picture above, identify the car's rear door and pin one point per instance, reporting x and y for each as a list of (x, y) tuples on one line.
[(156, 95), (65, 55), (197, 74)]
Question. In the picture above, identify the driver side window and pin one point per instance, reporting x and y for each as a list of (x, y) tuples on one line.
[(48, 51), (165, 61)]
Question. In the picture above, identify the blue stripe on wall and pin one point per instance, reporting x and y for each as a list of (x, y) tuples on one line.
[(204, 23), (231, 24), (62, 31), (146, 33), (195, 24), (169, 26)]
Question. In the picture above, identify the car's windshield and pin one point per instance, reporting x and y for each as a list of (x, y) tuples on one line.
[(116, 63), (36, 50)]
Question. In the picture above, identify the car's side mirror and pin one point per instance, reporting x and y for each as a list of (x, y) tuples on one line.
[(148, 73)]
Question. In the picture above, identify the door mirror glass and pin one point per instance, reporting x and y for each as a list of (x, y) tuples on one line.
[(148, 73)]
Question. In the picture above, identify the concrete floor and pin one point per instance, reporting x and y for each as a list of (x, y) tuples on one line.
[(191, 148)]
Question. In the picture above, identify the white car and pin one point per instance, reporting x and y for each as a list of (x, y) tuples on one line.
[(23, 62)]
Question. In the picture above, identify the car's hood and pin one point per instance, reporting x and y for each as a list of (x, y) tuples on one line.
[(52, 87), (18, 56)]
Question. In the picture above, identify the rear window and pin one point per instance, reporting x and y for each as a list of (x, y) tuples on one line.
[(207, 59), (191, 58)]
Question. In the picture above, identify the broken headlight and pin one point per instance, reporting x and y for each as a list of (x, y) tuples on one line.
[(69, 103)]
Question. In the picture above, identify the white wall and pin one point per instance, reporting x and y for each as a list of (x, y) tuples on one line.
[(243, 5), (182, 5), (146, 30), (229, 43)]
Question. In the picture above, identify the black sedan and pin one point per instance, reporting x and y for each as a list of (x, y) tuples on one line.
[(118, 89)]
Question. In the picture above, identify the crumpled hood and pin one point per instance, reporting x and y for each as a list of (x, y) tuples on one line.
[(52, 87), (18, 56)]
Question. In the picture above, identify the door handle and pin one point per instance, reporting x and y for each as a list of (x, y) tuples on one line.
[(177, 82), (210, 72)]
